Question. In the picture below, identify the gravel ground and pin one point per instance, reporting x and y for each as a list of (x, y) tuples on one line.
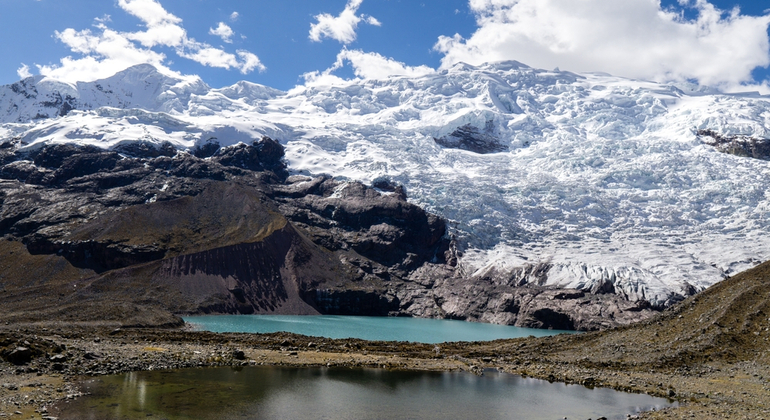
[(67, 355)]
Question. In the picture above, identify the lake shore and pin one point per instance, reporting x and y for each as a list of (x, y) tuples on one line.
[(716, 389)]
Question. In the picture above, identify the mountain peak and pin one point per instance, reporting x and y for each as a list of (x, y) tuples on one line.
[(584, 174), (140, 86), (506, 65), (148, 73), (140, 68)]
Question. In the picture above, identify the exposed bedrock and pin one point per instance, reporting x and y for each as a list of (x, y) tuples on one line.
[(739, 145), (139, 233), (472, 139), (437, 291), (384, 228)]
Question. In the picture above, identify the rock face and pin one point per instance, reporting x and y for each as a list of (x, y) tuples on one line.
[(746, 146), (143, 232), (437, 291), (384, 228), (472, 139), (221, 232)]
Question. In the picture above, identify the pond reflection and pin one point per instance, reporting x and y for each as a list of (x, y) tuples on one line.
[(321, 393)]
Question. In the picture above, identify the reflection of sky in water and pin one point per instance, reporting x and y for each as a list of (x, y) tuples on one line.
[(287, 393), (142, 394), (137, 387)]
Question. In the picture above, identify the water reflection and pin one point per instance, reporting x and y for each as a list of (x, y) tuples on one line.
[(291, 393)]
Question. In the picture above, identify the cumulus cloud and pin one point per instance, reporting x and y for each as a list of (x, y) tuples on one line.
[(223, 31), (320, 78), (103, 54), (762, 88), (343, 27), (105, 51), (632, 38), (375, 66), (234, 16), (150, 12), (365, 65), (23, 71), (249, 62)]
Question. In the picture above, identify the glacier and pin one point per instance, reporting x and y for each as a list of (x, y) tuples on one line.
[(600, 179)]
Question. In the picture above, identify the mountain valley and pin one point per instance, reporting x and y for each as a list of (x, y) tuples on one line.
[(497, 193)]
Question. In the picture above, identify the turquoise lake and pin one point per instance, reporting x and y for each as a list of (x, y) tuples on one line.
[(420, 330), (361, 394)]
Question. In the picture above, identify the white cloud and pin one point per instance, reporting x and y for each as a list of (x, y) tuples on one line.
[(249, 62), (150, 12), (164, 34), (762, 88), (104, 54), (223, 31), (234, 16), (365, 66), (320, 78), (105, 51), (23, 71), (375, 66), (343, 27), (210, 56), (632, 38)]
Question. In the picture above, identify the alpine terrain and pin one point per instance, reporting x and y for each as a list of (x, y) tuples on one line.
[(499, 193)]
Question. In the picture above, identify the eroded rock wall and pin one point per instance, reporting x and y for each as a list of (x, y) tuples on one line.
[(150, 230)]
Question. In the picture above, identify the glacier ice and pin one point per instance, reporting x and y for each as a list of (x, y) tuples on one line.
[(604, 179)]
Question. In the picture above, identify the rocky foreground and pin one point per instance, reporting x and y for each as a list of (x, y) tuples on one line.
[(711, 353)]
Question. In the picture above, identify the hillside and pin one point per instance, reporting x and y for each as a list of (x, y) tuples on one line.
[(710, 354), (727, 323)]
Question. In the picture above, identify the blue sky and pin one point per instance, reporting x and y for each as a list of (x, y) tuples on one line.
[(275, 43)]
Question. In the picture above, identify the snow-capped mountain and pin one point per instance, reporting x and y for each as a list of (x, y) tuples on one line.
[(599, 180)]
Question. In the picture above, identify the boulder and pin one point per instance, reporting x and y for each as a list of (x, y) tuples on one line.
[(20, 356)]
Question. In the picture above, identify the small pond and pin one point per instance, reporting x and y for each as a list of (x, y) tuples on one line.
[(336, 393), (419, 330)]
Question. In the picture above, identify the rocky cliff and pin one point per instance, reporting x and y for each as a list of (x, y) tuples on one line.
[(143, 232)]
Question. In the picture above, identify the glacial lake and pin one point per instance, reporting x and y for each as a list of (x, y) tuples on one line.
[(419, 330), (336, 393)]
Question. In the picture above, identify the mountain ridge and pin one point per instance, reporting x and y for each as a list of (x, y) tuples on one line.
[(605, 180)]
